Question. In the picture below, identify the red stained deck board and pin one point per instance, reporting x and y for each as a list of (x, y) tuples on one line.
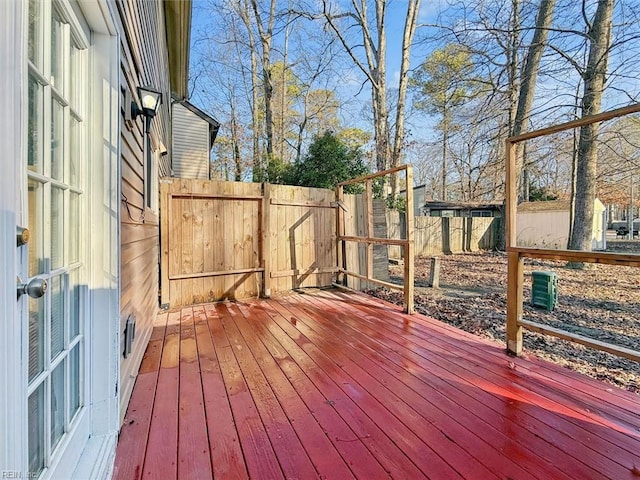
[(431, 383), (162, 447), (341, 385), (132, 441), (569, 401), (292, 457), (258, 452), (193, 445), (354, 453), (373, 436), (225, 451), (421, 454), (323, 454), (585, 388), (561, 424), (472, 413), (459, 429)]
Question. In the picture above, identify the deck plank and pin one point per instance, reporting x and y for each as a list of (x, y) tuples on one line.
[(567, 396), (292, 457), (161, 459), (366, 410), (450, 442), (354, 453), (323, 454), (260, 459), (193, 445), (226, 453), (132, 442), (330, 384), (483, 424), (609, 451), (469, 433)]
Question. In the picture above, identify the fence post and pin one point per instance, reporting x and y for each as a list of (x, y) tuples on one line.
[(265, 225), (434, 273)]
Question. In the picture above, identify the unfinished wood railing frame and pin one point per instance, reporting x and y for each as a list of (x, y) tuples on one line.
[(369, 239), (515, 254)]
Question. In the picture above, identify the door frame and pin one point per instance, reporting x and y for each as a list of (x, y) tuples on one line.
[(92, 458), (12, 94)]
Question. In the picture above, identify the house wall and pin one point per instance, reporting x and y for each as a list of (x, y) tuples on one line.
[(190, 144), (143, 63)]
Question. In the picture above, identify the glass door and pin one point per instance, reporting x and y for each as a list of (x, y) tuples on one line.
[(55, 171)]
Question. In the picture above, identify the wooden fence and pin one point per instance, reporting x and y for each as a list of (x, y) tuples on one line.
[(237, 240), (443, 236)]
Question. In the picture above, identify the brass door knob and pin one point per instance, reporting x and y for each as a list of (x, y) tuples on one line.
[(22, 236)]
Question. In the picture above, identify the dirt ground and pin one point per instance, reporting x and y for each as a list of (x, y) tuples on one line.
[(601, 302)]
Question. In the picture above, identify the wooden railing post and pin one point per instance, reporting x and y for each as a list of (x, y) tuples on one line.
[(341, 251), (515, 280), (410, 247), (515, 275), (369, 223), (265, 236)]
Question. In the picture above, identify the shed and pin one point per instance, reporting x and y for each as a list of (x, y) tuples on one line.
[(462, 209), (194, 132), (546, 225)]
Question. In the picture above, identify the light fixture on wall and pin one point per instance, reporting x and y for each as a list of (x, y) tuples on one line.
[(150, 100)]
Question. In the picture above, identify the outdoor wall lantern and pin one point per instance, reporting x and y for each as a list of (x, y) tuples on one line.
[(150, 100)]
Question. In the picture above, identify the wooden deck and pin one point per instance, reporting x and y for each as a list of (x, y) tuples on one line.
[(337, 385)]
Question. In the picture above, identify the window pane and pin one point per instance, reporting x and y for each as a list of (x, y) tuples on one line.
[(36, 431), (74, 307), (36, 260), (74, 227), (57, 140), (57, 58), (57, 316), (34, 32), (75, 74), (75, 152), (74, 381), (57, 405), (36, 337), (34, 142), (57, 226)]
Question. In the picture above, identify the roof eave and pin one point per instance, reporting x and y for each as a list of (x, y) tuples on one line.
[(178, 28)]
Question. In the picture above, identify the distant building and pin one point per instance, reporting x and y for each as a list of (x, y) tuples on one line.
[(462, 209), (546, 225), (193, 135)]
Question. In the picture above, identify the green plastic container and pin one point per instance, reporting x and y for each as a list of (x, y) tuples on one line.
[(544, 291)]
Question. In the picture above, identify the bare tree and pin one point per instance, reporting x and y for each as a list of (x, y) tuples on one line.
[(594, 77), (374, 43), (528, 83)]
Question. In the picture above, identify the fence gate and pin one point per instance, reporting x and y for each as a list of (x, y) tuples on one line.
[(238, 240)]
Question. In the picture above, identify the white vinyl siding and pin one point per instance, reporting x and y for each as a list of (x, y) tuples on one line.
[(190, 144)]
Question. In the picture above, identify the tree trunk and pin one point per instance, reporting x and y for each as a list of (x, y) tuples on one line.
[(413, 7), (528, 83), (445, 141), (375, 47), (266, 35), (594, 78), (258, 167)]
